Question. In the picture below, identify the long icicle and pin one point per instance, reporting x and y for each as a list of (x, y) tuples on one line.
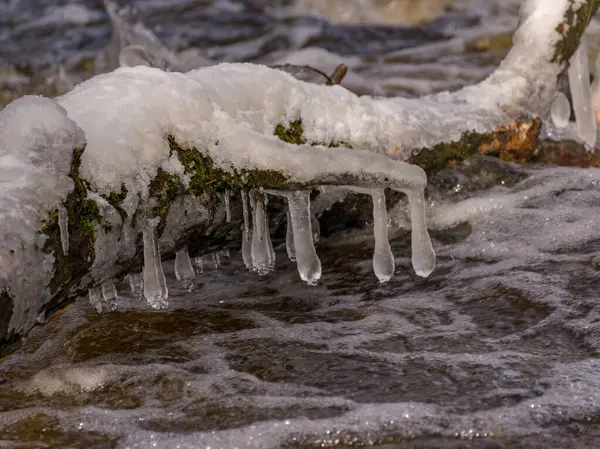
[(260, 247), (155, 283), (309, 265), (184, 271), (246, 237), (383, 259), (289, 238), (423, 256)]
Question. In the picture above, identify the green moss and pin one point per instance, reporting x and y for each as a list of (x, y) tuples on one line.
[(294, 134), (209, 179), (444, 153), (83, 215), (115, 199), (165, 187), (571, 29)]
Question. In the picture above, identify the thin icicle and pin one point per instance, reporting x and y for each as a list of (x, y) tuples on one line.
[(423, 256), (268, 236), (155, 284), (259, 246), (109, 293), (316, 229), (226, 253), (289, 238), (199, 261), (227, 206), (184, 272), (136, 284), (216, 260), (63, 226), (560, 110), (309, 265), (96, 299), (383, 259), (246, 238), (579, 82)]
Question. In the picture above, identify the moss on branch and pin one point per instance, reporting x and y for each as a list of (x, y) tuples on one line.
[(576, 20)]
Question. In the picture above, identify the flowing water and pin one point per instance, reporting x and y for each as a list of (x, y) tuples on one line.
[(498, 348)]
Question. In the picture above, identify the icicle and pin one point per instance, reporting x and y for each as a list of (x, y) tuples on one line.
[(63, 226), (246, 242), (423, 256), (184, 272), (579, 82), (109, 293), (96, 300), (155, 284), (316, 229), (136, 284), (226, 253), (383, 259), (309, 265), (289, 238), (227, 206), (560, 110), (268, 237), (261, 257), (199, 261), (216, 260)]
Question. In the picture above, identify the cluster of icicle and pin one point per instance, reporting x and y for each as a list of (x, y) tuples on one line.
[(257, 249), (586, 98)]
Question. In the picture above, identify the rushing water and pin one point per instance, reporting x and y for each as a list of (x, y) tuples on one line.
[(497, 348)]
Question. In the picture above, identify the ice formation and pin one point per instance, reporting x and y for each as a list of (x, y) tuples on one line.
[(96, 299), (582, 95), (109, 294), (199, 261), (560, 110), (229, 113), (136, 284), (262, 257), (289, 238), (383, 259), (216, 260), (246, 235), (155, 284), (184, 271), (226, 198), (309, 265), (63, 225)]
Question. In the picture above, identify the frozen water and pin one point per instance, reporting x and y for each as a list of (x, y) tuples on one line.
[(226, 198), (261, 251), (155, 284), (136, 284), (383, 259), (246, 232), (96, 298), (63, 225), (582, 95), (184, 272), (216, 260), (560, 110), (289, 238), (199, 261), (109, 294), (423, 256), (309, 265)]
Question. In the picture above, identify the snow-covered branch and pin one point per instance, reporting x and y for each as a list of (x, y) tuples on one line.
[(133, 163)]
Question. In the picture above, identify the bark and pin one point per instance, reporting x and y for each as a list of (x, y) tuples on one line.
[(92, 220)]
